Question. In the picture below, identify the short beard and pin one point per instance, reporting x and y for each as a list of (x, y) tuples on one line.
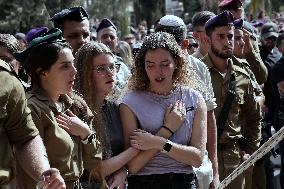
[(269, 47), (219, 54)]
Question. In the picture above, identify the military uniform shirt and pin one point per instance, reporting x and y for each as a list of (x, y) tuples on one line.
[(257, 65), (246, 66), (244, 104), (65, 152), (16, 125)]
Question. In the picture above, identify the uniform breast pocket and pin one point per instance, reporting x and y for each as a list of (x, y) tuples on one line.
[(237, 103)]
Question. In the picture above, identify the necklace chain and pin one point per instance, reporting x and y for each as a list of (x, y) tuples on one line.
[(163, 93), (162, 98)]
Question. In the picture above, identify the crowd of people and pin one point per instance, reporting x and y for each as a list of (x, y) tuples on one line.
[(172, 107)]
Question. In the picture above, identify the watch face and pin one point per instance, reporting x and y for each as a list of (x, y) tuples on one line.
[(167, 146), (91, 138)]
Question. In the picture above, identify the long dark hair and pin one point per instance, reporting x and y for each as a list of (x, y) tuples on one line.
[(43, 56)]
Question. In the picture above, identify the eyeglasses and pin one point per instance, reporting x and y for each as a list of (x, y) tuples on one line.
[(193, 45), (105, 69)]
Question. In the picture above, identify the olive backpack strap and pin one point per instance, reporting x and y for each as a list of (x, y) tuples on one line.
[(223, 116)]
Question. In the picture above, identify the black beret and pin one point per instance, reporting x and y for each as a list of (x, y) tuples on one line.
[(50, 36), (238, 23), (223, 19), (75, 13), (105, 23)]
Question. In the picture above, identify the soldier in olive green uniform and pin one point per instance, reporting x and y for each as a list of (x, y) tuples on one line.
[(240, 36), (226, 75), (251, 50), (70, 144), (239, 51), (17, 128)]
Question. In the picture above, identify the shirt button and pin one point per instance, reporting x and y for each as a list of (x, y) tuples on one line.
[(75, 157)]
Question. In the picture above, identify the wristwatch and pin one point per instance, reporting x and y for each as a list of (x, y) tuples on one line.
[(167, 146), (89, 139)]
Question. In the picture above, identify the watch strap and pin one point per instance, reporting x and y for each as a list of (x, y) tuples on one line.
[(89, 139)]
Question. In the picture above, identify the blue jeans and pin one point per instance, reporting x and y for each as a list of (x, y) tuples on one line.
[(162, 181)]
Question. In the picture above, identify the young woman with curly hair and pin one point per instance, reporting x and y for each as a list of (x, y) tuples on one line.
[(163, 83)]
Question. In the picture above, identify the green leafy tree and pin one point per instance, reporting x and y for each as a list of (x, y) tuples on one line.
[(149, 10), (21, 16), (103, 9), (116, 10), (268, 6), (123, 18)]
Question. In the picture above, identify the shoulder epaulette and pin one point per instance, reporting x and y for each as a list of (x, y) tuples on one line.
[(237, 67), (241, 71)]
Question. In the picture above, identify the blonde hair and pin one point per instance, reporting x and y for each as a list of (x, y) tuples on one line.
[(85, 86), (184, 73), (83, 61), (124, 50)]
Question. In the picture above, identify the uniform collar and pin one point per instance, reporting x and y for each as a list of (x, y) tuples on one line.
[(208, 62), (230, 70), (41, 95)]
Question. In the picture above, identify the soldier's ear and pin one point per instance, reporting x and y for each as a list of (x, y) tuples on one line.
[(41, 73), (207, 39)]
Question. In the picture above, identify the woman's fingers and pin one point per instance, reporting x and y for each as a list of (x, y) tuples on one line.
[(169, 109), (135, 144), (133, 137), (61, 121), (176, 106), (63, 126), (70, 113), (62, 117)]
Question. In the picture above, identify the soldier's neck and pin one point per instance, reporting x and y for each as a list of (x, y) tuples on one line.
[(220, 64), (53, 95)]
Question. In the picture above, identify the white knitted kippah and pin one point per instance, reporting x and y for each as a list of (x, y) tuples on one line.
[(171, 20)]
